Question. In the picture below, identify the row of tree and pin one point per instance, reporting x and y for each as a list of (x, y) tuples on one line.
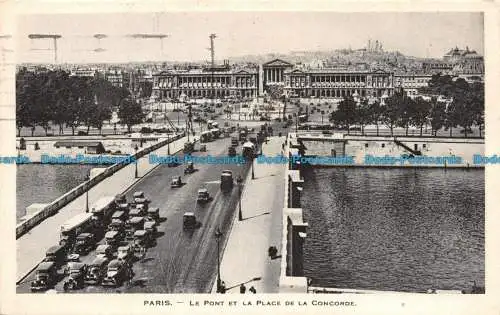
[(54, 97), (465, 108)]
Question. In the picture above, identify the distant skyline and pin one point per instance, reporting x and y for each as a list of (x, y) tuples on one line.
[(424, 34)]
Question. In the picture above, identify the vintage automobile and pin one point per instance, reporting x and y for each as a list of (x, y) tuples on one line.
[(124, 253), (203, 195), (132, 225), (113, 238), (153, 214), (85, 242), (120, 215), (176, 182), (188, 147), (120, 198), (96, 271), (189, 168), (104, 251), (142, 238), (189, 220), (138, 210), (140, 198), (226, 180), (76, 280), (116, 274), (56, 254), (125, 207), (151, 227), (45, 277), (116, 225)]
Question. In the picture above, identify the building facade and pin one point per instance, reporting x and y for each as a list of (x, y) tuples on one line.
[(410, 83), (327, 82), (294, 82), (204, 83), (465, 61)]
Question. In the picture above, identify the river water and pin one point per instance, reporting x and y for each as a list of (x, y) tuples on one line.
[(394, 229), (43, 183)]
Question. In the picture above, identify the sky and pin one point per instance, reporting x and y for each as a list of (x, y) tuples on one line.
[(424, 34)]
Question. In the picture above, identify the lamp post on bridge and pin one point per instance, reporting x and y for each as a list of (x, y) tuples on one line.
[(218, 235), (136, 170), (240, 213), (168, 143), (87, 178)]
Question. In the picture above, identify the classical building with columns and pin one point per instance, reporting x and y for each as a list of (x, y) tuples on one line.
[(203, 83), (327, 83), (251, 83)]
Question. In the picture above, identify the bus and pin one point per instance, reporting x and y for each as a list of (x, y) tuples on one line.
[(215, 133), (103, 209), (80, 223), (206, 136)]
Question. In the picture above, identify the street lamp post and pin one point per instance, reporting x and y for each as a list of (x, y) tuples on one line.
[(87, 178), (168, 143), (218, 235), (136, 170), (253, 173), (240, 213)]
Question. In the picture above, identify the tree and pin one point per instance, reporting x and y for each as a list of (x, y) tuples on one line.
[(345, 115), (420, 113), (437, 116), (452, 116), (375, 114), (391, 111), (130, 113), (406, 112), (363, 114)]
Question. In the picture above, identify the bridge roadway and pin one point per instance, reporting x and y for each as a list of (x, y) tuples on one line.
[(181, 261)]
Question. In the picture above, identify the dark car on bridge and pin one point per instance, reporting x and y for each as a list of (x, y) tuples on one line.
[(45, 277), (176, 182), (226, 180), (189, 220), (116, 274)]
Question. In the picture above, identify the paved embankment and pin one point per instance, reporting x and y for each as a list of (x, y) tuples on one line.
[(31, 246), (387, 151), (245, 259)]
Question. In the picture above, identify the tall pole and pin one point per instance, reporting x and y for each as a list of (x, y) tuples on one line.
[(136, 170), (55, 49), (212, 60), (168, 143), (218, 234), (87, 194), (253, 174)]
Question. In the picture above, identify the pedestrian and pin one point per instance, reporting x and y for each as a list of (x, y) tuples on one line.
[(252, 289), (243, 289)]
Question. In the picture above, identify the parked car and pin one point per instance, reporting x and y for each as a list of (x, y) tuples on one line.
[(56, 254), (104, 251), (176, 182), (151, 227), (124, 253), (76, 280), (189, 168), (45, 277), (85, 242), (154, 214), (203, 195), (116, 274), (139, 197), (189, 220)]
